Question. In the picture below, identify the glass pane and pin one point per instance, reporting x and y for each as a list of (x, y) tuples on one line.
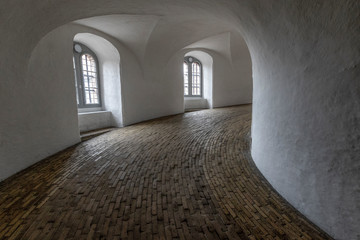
[(196, 79), (91, 89), (186, 79)]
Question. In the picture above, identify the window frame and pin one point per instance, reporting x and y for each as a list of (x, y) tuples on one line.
[(189, 63), (79, 79)]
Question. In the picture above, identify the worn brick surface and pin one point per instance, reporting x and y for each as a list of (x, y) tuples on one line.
[(188, 176)]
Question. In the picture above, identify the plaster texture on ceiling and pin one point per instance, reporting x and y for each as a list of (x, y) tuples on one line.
[(305, 65), (219, 43), (132, 30)]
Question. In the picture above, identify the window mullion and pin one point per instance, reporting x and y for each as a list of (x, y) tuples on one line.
[(87, 79), (79, 81), (190, 78), (201, 80), (194, 77), (87, 74)]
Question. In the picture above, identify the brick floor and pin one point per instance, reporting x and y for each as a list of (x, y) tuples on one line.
[(188, 176)]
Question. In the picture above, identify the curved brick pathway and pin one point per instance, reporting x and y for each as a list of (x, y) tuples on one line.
[(188, 176)]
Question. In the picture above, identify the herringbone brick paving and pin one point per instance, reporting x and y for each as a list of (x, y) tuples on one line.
[(188, 176)]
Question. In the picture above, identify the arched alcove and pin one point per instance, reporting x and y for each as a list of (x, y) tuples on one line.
[(231, 68), (109, 69), (207, 74)]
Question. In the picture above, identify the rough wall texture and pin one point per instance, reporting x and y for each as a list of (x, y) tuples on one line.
[(306, 107), (39, 117)]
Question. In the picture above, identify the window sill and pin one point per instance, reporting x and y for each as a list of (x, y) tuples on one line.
[(94, 120), (193, 97), (93, 109), (93, 112)]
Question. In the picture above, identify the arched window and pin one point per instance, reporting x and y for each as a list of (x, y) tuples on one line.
[(86, 77), (192, 77)]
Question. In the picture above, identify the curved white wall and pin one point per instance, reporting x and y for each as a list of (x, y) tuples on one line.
[(306, 107), (32, 124)]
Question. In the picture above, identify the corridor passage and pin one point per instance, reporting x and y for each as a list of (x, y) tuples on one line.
[(188, 176)]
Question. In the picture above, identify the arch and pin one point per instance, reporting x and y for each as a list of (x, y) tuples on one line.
[(207, 71), (109, 70), (87, 82), (193, 79)]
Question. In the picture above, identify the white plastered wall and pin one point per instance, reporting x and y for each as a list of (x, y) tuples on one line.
[(42, 116), (306, 107)]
